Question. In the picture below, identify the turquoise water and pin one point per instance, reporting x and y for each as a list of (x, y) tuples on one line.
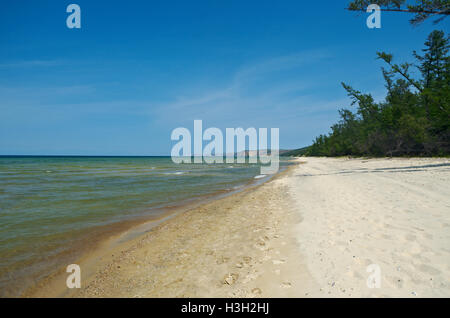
[(52, 208)]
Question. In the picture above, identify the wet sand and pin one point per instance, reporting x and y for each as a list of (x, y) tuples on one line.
[(311, 231)]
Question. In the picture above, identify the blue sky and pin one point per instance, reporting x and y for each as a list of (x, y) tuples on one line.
[(138, 69)]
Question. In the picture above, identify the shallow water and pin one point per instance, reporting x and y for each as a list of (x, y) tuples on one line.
[(49, 206)]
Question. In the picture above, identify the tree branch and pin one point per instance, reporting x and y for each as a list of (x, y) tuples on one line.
[(444, 12)]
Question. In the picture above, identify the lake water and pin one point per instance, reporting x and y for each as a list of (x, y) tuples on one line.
[(53, 208)]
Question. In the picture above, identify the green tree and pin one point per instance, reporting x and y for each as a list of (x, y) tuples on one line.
[(435, 69), (423, 9), (414, 118)]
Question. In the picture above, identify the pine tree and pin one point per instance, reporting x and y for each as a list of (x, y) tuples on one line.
[(423, 9), (414, 119)]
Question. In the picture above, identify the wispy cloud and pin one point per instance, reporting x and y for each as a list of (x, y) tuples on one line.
[(282, 91), (252, 91), (280, 63)]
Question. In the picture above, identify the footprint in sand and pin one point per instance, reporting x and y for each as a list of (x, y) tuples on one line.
[(427, 269), (396, 282), (256, 291), (286, 285), (222, 260), (247, 259), (249, 278)]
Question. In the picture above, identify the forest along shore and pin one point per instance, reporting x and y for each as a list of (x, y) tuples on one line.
[(313, 230)]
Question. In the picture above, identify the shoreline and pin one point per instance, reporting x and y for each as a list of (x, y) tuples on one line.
[(313, 230), (127, 232)]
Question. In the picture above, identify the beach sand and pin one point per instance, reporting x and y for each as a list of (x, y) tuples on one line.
[(394, 213), (311, 231)]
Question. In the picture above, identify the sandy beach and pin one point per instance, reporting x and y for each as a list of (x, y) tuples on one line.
[(311, 231)]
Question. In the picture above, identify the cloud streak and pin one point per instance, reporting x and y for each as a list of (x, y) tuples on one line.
[(253, 92)]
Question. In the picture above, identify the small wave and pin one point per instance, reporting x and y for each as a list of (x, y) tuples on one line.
[(175, 173), (260, 176), (235, 188)]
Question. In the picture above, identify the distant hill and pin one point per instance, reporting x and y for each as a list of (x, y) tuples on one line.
[(295, 152), (254, 153)]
